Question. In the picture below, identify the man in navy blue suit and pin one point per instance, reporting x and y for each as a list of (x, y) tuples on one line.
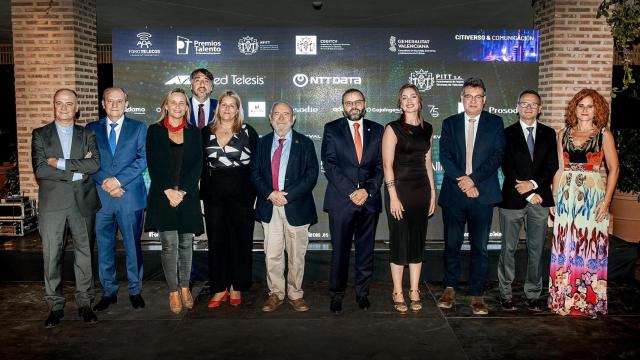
[(471, 149), (352, 163), (284, 171), (203, 108), (123, 195)]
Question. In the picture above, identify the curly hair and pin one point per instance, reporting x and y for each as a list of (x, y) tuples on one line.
[(601, 113)]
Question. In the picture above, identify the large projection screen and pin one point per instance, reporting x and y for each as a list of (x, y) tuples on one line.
[(311, 67)]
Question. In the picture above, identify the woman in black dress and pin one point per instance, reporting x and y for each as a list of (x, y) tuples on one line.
[(228, 195), (409, 193), (174, 159)]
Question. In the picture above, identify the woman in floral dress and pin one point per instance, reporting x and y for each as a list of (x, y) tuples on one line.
[(578, 277)]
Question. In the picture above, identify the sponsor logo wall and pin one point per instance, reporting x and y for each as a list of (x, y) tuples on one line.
[(310, 68)]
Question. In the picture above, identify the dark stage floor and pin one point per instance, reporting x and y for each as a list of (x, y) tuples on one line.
[(380, 333)]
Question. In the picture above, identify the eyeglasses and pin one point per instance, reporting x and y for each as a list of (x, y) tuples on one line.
[(469, 97), (528, 105), (353, 103)]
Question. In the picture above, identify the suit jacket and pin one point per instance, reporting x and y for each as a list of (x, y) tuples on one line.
[(57, 190), (300, 178), (341, 167), (127, 164), (193, 119), (488, 150), (517, 164), (187, 217)]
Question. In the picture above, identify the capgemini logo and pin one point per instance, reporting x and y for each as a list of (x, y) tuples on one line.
[(300, 80), (143, 40)]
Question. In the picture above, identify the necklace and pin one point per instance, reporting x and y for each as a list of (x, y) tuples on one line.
[(172, 128)]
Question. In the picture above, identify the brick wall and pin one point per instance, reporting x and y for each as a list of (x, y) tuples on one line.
[(576, 52), (54, 46)]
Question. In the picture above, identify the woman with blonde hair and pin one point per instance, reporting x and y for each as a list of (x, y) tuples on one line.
[(174, 159), (228, 196)]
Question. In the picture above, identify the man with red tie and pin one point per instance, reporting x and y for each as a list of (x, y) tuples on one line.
[(352, 163), (202, 106), (284, 171)]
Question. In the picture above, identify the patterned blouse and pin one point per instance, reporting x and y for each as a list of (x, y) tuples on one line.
[(236, 153)]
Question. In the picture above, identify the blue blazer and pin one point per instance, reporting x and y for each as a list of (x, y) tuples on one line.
[(340, 164), (487, 157), (127, 165), (300, 179), (212, 111)]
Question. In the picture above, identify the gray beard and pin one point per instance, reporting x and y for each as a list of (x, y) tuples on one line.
[(353, 118)]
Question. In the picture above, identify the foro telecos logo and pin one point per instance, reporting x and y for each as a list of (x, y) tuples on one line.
[(302, 80)]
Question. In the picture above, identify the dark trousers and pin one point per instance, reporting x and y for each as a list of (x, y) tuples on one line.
[(478, 218), (51, 226), (351, 225), (230, 237), (129, 222)]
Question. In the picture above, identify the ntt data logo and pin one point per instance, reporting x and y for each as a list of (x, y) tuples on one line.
[(302, 80)]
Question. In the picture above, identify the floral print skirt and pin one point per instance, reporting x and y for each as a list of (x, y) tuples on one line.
[(578, 276)]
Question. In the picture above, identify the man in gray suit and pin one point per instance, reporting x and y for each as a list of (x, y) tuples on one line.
[(64, 156)]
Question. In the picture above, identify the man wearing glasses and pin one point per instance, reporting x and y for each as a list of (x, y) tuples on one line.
[(471, 149), (352, 162), (529, 163)]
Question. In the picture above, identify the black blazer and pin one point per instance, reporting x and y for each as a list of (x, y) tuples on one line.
[(300, 179), (517, 164), (340, 164), (57, 190), (187, 217)]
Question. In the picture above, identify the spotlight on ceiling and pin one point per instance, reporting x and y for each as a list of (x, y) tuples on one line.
[(317, 5)]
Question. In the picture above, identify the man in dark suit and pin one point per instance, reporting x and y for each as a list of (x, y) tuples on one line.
[(471, 149), (203, 108), (529, 163), (284, 172), (352, 163), (123, 195), (64, 156)]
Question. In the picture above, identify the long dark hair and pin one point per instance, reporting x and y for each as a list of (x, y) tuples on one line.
[(402, 116)]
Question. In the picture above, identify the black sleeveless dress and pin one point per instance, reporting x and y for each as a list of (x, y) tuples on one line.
[(407, 236)]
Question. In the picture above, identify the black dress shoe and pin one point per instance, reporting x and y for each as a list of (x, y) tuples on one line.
[(87, 314), (104, 303), (136, 301), (54, 318), (363, 302), (336, 305), (508, 305), (534, 305)]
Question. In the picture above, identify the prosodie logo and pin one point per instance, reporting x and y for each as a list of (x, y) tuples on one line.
[(302, 80)]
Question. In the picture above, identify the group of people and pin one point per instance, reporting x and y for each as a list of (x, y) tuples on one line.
[(201, 150)]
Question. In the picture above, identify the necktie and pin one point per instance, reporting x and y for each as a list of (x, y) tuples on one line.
[(530, 141), (275, 165), (200, 116), (358, 140), (112, 138), (469, 153)]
